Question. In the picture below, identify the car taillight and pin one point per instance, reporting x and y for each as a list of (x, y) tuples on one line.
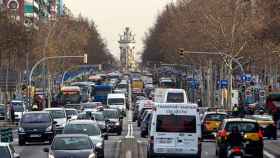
[(260, 134), (151, 140), (236, 150), (222, 133)]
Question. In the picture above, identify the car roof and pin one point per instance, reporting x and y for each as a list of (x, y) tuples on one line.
[(240, 120), (116, 95), (36, 112), (82, 122), (213, 112), (71, 109), (54, 109), (71, 135)]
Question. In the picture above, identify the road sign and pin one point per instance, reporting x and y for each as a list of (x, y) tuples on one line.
[(224, 83)]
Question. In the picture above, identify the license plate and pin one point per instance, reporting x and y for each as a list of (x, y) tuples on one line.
[(165, 141), (35, 136), (174, 150), (236, 156)]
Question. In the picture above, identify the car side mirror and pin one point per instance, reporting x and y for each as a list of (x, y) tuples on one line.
[(69, 117), (54, 122), (105, 136), (16, 155), (46, 150), (121, 117)]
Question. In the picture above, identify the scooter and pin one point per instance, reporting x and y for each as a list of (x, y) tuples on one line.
[(236, 152)]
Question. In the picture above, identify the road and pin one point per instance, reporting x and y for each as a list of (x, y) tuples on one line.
[(114, 145)]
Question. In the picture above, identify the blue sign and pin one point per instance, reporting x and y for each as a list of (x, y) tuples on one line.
[(247, 77), (194, 84), (224, 83)]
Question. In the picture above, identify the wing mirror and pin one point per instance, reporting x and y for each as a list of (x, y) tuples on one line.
[(46, 150), (105, 136)]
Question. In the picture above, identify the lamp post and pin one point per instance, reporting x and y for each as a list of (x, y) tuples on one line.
[(84, 57)]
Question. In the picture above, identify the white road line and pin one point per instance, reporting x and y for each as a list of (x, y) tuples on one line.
[(128, 154), (267, 154), (128, 131), (131, 133)]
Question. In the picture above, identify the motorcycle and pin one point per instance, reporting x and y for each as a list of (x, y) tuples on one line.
[(236, 152)]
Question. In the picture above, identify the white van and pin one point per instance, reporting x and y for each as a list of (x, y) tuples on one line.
[(175, 130), (19, 108), (117, 101), (169, 95)]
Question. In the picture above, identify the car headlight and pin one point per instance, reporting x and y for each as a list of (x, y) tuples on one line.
[(20, 129), (49, 129), (117, 123), (99, 145), (92, 155), (51, 155)]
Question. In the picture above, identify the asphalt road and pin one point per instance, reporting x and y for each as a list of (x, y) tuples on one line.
[(130, 130)]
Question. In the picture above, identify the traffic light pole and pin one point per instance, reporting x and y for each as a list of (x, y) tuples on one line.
[(182, 52), (84, 57)]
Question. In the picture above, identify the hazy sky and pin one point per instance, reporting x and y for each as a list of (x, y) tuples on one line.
[(112, 16)]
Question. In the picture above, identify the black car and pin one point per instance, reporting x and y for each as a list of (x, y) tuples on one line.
[(2, 112), (71, 146), (145, 123), (36, 127), (113, 120)]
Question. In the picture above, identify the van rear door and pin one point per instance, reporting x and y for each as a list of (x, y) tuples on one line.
[(176, 134)]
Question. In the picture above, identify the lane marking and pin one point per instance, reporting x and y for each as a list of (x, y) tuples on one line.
[(267, 154), (128, 154)]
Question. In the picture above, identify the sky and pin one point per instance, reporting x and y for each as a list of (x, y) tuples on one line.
[(112, 16)]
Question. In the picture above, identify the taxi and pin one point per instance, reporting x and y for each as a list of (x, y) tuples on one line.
[(252, 134), (211, 122), (267, 125)]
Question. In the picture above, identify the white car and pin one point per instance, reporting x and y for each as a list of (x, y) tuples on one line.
[(59, 115)]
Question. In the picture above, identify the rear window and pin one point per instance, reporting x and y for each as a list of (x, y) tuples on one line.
[(176, 123), (215, 117), (4, 151), (243, 126), (36, 118), (175, 98)]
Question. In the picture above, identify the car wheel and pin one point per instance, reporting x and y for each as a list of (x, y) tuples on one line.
[(21, 142), (259, 154), (119, 133), (221, 154)]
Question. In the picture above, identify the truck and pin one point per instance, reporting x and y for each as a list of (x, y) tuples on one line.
[(101, 92), (137, 84)]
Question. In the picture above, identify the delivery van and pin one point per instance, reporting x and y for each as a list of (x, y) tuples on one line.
[(175, 130), (170, 95), (117, 101)]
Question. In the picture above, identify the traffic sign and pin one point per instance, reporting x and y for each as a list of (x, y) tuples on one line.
[(224, 83), (247, 77)]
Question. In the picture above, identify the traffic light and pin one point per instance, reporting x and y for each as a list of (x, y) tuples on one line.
[(85, 58), (180, 52)]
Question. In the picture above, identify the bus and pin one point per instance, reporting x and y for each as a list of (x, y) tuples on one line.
[(101, 92)]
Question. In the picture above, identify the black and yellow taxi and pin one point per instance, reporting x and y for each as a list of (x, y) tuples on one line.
[(266, 124), (251, 132), (211, 122)]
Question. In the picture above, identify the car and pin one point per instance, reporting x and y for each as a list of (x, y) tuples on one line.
[(113, 120), (90, 105), (146, 123), (85, 116), (71, 145), (142, 114), (7, 151), (266, 124), (100, 119), (211, 122), (117, 101), (71, 113), (252, 134), (91, 129), (36, 126), (19, 108), (59, 115), (2, 112)]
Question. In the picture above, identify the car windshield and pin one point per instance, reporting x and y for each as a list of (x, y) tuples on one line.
[(56, 114), (110, 114), (73, 97), (176, 124), (4, 152), (71, 112), (83, 116), (72, 143), (116, 101), (262, 117), (18, 106), (36, 118), (215, 117), (89, 129), (122, 86), (175, 97), (243, 126), (98, 116)]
